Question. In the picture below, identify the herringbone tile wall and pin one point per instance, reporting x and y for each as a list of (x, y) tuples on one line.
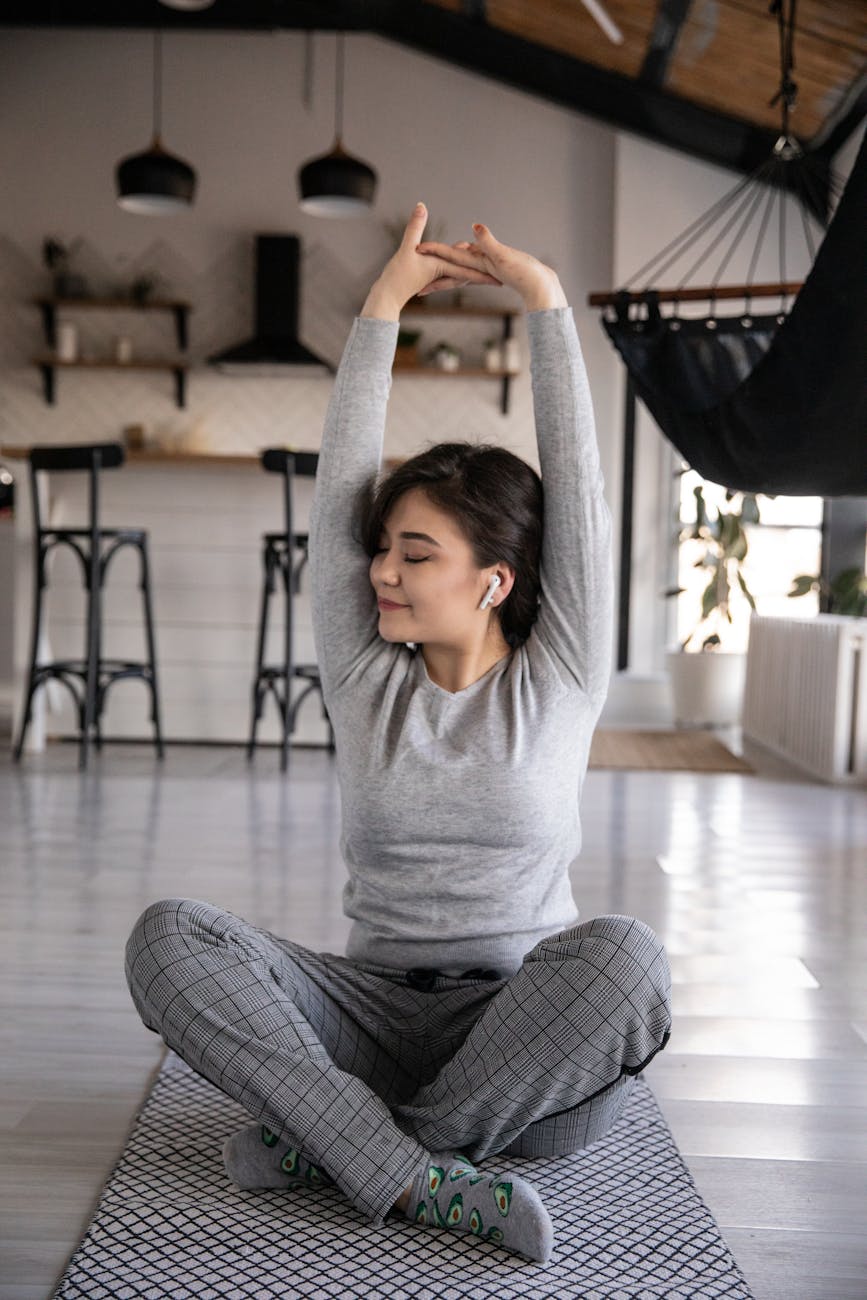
[(223, 413)]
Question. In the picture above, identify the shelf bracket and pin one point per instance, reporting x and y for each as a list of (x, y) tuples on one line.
[(48, 383), (507, 379), (180, 387), (49, 323), (181, 313)]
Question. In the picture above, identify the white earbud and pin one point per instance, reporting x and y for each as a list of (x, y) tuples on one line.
[(489, 594)]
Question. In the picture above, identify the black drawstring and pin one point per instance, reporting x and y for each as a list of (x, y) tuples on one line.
[(422, 978)]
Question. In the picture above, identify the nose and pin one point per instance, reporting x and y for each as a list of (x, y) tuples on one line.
[(384, 569)]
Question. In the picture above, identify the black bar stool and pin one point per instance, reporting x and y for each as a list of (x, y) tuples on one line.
[(279, 551), (87, 679)]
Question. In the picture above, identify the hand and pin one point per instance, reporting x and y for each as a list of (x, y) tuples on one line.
[(537, 284), (408, 273)]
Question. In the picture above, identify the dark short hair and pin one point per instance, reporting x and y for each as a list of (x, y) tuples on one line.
[(494, 497)]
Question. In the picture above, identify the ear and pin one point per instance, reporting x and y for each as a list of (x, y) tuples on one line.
[(506, 575)]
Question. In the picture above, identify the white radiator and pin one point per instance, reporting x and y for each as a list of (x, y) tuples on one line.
[(806, 693)]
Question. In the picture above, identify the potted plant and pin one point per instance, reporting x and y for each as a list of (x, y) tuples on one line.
[(56, 257), (143, 287), (844, 594), (406, 352), (707, 682), (446, 357)]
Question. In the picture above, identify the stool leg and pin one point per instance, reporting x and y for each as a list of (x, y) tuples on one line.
[(328, 720), (100, 686), (287, 711), (151, 646), (91, 653), (258, 692), (36, 625)]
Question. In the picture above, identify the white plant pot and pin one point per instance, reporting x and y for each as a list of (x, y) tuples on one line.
[(707, 687)]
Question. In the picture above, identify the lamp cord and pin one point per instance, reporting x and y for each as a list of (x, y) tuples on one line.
[(788, 91), (158, 84), (338, 91)]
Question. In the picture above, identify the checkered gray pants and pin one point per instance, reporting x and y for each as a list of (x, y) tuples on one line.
[(366, 1074)]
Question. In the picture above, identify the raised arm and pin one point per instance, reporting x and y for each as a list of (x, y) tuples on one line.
[(344, 610), (345, 618), (575, 615)]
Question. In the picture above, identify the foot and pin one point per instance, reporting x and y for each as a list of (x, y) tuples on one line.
[(256, 1157), (449, 1192)]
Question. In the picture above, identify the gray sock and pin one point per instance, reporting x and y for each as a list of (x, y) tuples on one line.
[(256, 1157), (449, 1192)]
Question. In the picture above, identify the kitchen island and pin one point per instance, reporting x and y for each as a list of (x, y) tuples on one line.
[(205, 514)]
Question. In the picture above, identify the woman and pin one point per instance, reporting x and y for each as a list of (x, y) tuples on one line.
[(464, 658)]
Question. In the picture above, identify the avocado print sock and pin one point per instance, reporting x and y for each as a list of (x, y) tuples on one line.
[(449, 1192), (256, 1157)]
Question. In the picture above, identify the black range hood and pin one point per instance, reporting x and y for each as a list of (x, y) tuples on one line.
[(274, 348)]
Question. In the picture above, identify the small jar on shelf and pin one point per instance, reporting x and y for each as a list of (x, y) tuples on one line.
[(493, 354), (511, 354)]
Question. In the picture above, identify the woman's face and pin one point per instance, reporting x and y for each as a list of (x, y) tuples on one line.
[(426, 572)]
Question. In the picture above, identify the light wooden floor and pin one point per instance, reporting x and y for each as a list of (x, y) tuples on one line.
[(757, 884)]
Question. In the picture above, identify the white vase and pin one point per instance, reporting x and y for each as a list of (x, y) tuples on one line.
[(707, 687), (493, 357), (67, 341)]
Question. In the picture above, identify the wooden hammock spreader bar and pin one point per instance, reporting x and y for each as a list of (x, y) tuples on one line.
[(788, 290)]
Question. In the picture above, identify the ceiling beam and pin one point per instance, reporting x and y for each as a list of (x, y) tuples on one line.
[(847, 116), (467, 42), (670, 17)]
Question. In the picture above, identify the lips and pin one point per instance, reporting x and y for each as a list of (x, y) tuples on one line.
[(390, 604)]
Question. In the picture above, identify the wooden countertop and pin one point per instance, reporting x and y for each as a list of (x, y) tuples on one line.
[(169, 458), (157, 457)]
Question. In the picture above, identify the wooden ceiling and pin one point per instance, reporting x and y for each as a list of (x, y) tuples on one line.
[(698, 75), (723, 55)]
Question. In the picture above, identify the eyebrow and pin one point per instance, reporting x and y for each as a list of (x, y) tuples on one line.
[(417, 537)]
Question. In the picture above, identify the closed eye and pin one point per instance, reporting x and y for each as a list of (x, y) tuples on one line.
[(410, 559)]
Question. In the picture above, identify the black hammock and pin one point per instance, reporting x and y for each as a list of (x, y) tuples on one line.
[(778, 408)]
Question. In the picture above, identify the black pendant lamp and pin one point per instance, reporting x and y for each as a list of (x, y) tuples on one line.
[(336, 185), (155, 183)]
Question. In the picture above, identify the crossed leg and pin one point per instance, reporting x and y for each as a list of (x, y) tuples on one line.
[(247, 1016), (546, 1068)]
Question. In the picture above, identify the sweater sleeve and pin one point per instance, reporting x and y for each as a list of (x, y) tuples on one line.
[(574, 625), (345, 616)]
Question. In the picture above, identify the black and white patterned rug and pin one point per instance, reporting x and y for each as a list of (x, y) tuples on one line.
[(629, 1224)]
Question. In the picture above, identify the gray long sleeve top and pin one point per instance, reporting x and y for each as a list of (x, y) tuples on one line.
[(460, 810)]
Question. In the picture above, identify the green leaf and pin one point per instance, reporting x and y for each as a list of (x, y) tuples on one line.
[(729, 532), (709, 599), (749, 509), (804, 583), (745, 589), (848, 593), (739, 544)]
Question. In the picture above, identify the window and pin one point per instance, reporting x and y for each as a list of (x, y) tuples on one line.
[(787, 541)]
